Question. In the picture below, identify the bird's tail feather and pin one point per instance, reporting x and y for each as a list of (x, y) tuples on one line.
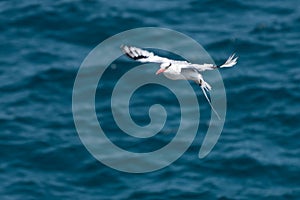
[(205, 94), (231, 61)]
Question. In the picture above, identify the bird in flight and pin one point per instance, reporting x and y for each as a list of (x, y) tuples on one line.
[(178, 69)]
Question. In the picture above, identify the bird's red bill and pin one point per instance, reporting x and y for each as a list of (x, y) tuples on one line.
[(160, 71)]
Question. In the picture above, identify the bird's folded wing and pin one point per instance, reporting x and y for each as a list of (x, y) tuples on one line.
[(189, 70), (142, 55), (202, 67)]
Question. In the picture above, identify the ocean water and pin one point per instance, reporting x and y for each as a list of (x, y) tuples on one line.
[(43, 44)]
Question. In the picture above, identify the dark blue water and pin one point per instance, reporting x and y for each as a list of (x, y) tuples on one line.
[(42, 46)]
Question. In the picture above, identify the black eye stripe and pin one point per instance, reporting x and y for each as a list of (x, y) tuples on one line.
[(169, 66)]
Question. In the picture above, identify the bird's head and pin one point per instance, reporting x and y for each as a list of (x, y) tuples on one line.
[(163, 67)]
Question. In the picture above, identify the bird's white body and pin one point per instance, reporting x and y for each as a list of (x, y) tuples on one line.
[(178, 70), (174, 72)]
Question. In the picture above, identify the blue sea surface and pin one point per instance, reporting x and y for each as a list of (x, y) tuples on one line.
[(43, 44)]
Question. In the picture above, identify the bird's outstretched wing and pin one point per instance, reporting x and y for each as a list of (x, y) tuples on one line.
[(230, 62), (143, 55)]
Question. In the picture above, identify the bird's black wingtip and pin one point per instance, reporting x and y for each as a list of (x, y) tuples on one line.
[(133, 52)]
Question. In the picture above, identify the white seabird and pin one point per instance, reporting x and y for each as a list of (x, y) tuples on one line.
[(177, 69)]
